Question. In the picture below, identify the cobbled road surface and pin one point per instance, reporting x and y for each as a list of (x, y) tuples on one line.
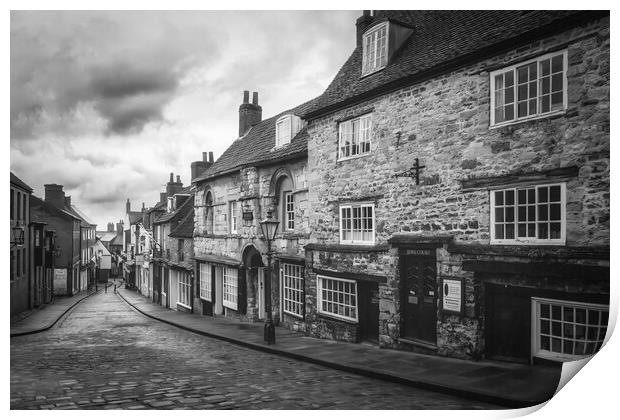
[(104, 355)]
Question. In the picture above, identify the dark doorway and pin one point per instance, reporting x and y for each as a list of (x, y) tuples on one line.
[(368, 294), (508, 319), (255, 280), (419, 297)]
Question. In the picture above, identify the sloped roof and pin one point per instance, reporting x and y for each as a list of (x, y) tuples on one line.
[(185, 228), (118, 240), (440, 41), (37, 205), (257, 146), (16, 181), (81, 215), (100, 246), (178, 214), (134, 217), (105, 236)]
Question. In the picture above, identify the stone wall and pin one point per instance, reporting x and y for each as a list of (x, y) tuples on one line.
[(444, 122)]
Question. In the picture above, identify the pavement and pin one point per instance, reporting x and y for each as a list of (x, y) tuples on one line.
[(44, 318), (506, 384)]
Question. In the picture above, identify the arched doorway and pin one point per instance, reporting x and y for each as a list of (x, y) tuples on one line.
[(255, 277)]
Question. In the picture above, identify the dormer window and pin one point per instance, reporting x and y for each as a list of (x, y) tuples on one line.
[(375, 49), (287, 127)]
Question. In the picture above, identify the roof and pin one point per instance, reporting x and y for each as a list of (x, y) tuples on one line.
[(100, 246), (257, 146), (440, 41), (37, 204), (106, 236), (81, 215), (185, 228), (134, 217), (178, 214), (16, 181), (118, 240)]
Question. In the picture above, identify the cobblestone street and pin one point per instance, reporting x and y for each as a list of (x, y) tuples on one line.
[(104, 355)]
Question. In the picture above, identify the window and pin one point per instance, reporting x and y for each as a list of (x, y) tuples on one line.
[(375, 45), (19, 200), (567, 330), (357, 224), (180, 245), (12, 265), (19, 263), (533, 214), (24, 209), (230, 288), (205, 281), (528, 90), (233, 217), (287, 127), (289, 210), (293, 289), (337, 297), (185, 290), (354, 137), (209, 212), (12, 205)]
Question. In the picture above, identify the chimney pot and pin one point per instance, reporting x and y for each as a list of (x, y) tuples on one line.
[(211, 157), (255, 98), (246, 96), (249, 114), (204, 156), (362, 23), (171, 177), (178, 178)]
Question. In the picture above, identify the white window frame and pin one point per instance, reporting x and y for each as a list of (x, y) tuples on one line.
[(368, 69), (289, 213), (537, 351), (345, 132), (538, 114), (205, 281), (527, 240), (293, 293), (319, 288), (295, 124), (230, 287), (184, 287), (232, 209), (351, 207)]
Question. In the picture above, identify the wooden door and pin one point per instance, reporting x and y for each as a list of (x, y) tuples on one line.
[(368, 298), (419, 298)]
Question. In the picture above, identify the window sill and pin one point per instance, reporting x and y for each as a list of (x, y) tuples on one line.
[(345, 159), (204, 299), (230, 306), (333, 317), (184, 305), (530, 243), (370, 73), (368, 243), (528, 119), (297, 316)]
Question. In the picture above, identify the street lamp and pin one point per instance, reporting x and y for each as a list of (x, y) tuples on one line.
[(269, 228)]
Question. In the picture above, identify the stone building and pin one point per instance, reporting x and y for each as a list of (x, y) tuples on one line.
[(20, 246), (458, 173), (263, 171)]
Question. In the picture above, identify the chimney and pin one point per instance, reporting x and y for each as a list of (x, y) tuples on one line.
[(249, 113), (54, 195), (162, 197), (68, 201), (127, 206), (143, 208), (110, 227), (199, 166), (173, 187), (362, 23), (119, 228)]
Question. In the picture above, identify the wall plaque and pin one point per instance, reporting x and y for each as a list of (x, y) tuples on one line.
[(248, 215), (452, 296)]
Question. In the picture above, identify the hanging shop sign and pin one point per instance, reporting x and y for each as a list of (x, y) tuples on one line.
[(452, 292)]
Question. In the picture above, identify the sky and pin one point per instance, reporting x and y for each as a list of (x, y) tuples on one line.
[(108, 103)]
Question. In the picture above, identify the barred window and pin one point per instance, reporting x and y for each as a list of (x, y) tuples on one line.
[(337, 297), (293, 289), (289, 211), (374, 55), (185, 289), (567, 330), (205, 281), (533, 214), (357, 224), (530, 89), (354, 137), (230, 287)]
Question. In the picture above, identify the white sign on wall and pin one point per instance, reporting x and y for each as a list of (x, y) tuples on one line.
[(60, 281), (452, 292)]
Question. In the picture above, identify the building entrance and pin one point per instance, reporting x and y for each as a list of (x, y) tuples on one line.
[(419, 295)]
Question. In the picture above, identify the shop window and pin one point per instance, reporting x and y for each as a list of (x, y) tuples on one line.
[(565, 331), (293, 289), (185, 290), (529, 215), (337, 297), (354, 137), (205, 281), (529, 90), (357, 224), (231, 288)]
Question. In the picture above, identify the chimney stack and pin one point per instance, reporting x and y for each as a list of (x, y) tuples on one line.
[(119, 228), (68, 201), (54, 195), (249, 113), (362, 23), (127, 206), (162, 197), (171, 176), (110, 227), (199, 166), (173, 187)]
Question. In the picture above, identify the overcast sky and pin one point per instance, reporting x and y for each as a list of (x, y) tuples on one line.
[(109, 103)]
